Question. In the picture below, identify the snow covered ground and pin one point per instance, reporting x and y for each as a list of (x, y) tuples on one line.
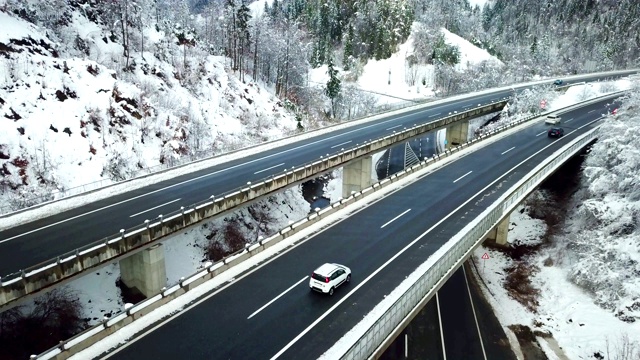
[(564, 310), (75, 119), (387, 78)]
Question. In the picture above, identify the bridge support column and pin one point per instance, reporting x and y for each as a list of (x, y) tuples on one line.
[(500, 233), (457, 134), (356, 175), (145, 271)]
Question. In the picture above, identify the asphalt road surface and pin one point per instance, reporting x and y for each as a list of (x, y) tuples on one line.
[(462, 317), (269, 312), (29, 244)]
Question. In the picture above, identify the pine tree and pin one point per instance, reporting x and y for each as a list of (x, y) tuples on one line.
[(348, 49), (242, 27), (333, 86)]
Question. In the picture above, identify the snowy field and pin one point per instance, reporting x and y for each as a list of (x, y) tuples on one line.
[(565, 311)]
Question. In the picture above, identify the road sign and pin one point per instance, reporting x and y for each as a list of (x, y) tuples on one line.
[(485, 256)]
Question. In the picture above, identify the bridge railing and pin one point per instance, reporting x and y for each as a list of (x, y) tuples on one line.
[(456, 251)]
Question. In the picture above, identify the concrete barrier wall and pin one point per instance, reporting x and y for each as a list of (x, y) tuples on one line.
[(48, 274)]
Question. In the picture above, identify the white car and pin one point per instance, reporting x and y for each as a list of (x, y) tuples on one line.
[(552, 119), (328, 277)]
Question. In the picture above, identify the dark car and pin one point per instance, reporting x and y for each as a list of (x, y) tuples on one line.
[(558, 82), (555, 132)]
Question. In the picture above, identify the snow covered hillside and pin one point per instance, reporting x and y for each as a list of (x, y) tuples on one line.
[(400, 78), (603, 230), (74, 114)]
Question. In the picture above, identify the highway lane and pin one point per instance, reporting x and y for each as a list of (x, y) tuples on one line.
[(29, 244), (462, 317), (302, 323)]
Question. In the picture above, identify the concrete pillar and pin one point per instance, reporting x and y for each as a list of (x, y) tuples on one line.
[(145, 271), (356, 175), (457, 134), (500, 233)]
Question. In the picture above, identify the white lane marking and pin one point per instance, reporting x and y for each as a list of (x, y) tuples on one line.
[(591, 111), (444, 351), (460, 178), (473, 309), (544, 132), (277, 297), (153, 208), (395, 218), (203, 176), (569, 120), (346, 142), (267, 169), (506, 151), (434, 115), (406, 345), (393, 127), (374, 273)]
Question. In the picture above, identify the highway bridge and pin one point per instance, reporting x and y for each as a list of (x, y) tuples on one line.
[(269, 312), (23, 246)]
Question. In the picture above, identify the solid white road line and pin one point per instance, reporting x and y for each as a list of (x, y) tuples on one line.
[(542, 133), (395, 218), (591, 111), (277, 297), (344, 143), (569, 120), (406, 345), (474, 312), (458, 179), (444, 350), (506, 151), (267, 169), (153, 208), (393, 127), (375, 272)]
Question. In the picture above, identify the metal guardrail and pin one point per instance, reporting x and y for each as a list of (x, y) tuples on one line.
[(463, 244)]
